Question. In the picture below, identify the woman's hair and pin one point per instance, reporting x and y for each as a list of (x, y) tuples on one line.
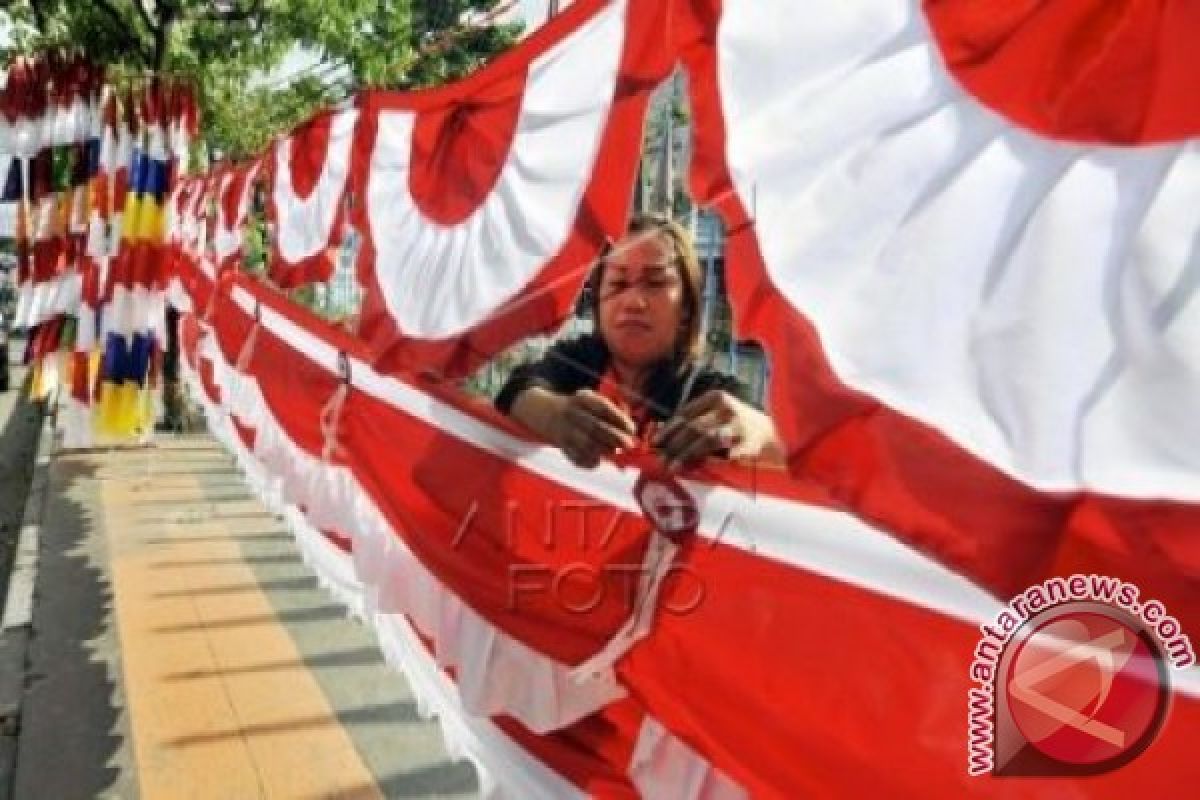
[(688, 346)]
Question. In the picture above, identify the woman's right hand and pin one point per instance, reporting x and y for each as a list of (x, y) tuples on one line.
[(591, 427), (585, 425)]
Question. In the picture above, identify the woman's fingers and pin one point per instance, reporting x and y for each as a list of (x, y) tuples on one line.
[(602, 421), (709, 433), (603, 408), (580, 448), (592, 427), (709, 401), (584, 457), (713, 400), (605, 435)]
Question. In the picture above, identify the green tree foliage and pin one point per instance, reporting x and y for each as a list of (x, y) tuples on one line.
[(229, 48)]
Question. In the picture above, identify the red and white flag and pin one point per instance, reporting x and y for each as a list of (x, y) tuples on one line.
[(965, 234)]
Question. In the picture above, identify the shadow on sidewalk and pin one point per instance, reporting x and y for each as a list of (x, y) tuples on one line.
[(70, 716)]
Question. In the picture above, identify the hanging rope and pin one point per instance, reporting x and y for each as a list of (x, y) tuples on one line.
[(331, 413)]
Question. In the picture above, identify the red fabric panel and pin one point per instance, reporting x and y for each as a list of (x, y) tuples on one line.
[(294, 389), (593, 753), (801, 686), (339, 540), (189, 338), (49, 259), (478, 522), (550, 295), (137, 264), (1110, 71), (90, 290), (194, 281), (228, 209), (230, 325), (244, 432), (459, 149), (81, 390), (206, 378), (310, 148)]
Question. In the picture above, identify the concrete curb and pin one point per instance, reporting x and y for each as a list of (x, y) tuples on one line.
[(18, 607)]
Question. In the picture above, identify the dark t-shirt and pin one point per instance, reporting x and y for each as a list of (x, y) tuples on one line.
[(580, 363)]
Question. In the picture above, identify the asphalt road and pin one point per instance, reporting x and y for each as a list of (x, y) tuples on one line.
[(20, 423)]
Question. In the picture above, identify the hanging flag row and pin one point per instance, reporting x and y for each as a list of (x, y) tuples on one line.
[(970, 265), (89, 168)]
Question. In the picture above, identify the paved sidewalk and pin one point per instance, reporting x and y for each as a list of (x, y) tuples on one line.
[(181, 648)]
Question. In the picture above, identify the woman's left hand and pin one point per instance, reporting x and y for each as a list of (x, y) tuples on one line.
[(716, 422)]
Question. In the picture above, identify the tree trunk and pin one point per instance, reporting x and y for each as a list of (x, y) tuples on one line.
[(39, 14), (172, 396), (162, 37)]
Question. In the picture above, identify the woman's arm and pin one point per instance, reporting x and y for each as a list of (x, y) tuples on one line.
[(584, 425)]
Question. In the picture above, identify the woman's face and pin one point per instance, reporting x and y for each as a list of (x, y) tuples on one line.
[(641, 304)]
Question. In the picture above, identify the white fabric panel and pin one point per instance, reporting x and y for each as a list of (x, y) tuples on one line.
[(1145, 416), (8, 219), (496, 674), (305, 225), (506, 770), (177, 296), (38, 302), (27, 136), (133, 310), (155, 142), (438, 281), (963, 271), (208, 268), (175, 220), (191, 228), (664, 766), (179, 141), (43, 222), (333, 567), (8, 211), (124, 148), (75, 420), (98, 245), (70, 123), (220, 232), (228, 240)]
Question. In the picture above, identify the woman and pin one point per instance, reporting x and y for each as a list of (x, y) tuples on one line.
[(638, 377)]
